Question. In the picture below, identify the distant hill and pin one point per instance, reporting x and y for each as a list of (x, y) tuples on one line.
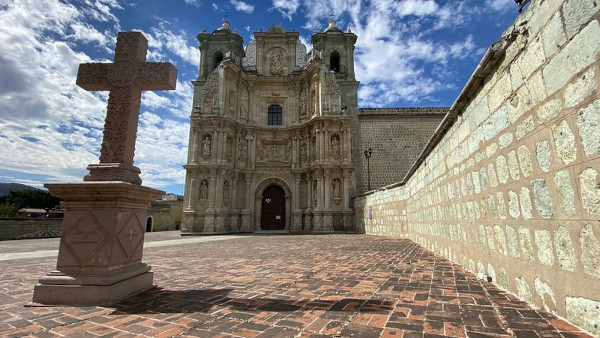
[(6, 188)]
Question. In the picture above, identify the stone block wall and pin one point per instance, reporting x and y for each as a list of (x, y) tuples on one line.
[(16, 228), (510, 190), (166, 215), (397, 137)]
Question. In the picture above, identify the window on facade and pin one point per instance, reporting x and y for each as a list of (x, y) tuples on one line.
[(334, 62), (275, 115)]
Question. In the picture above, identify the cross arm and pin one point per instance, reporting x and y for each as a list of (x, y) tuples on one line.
[(156, 76), (92, 76)]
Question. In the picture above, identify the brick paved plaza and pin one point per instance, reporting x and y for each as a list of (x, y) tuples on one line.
[(277, 286)]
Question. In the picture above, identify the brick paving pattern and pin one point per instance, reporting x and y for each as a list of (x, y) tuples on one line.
[(284, 286)]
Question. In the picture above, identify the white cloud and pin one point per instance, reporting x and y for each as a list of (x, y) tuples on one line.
[(501, 5), (195, 3), (52, 129), (287, 8), (242, 6)]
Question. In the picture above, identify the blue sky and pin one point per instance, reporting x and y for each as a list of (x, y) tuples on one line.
[(409, 53)]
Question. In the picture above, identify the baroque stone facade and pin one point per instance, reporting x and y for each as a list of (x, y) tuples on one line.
[(270, 143), (509, 187)]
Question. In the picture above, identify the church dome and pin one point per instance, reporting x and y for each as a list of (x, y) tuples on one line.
[(224, 27), (332, 27)]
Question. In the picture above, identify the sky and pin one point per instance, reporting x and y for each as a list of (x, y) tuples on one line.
[(409, 53)]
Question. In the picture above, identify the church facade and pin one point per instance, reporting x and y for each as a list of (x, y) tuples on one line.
[(275, 134)]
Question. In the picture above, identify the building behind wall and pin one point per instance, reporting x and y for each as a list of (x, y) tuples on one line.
[(275, 137)]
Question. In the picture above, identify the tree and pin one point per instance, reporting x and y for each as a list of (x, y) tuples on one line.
[(29, 199)]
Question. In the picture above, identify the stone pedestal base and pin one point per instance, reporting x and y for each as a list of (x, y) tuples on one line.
[(99, 289), (100, 253)]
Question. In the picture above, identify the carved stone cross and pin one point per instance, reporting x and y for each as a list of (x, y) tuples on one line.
[(125, 79)]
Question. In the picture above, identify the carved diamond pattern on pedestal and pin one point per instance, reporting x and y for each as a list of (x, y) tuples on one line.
[(131, 235), (84, 237)]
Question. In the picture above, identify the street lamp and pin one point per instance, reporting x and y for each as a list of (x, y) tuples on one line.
[(368, 153)]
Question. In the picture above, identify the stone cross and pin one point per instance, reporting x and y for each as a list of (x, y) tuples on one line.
[(125, 79)]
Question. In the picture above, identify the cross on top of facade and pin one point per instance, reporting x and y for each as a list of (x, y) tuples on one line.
[(125, 79)]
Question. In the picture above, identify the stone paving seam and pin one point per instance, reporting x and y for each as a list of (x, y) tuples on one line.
[(496, 307)]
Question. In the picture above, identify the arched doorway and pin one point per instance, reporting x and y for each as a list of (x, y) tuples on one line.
[(149, 223), (273, 208)]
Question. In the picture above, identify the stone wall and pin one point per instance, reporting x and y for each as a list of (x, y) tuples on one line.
[(509, 187), (397, 137), (17, 228), (166, 215)]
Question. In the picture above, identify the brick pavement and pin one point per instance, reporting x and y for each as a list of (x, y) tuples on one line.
[(284, 286)]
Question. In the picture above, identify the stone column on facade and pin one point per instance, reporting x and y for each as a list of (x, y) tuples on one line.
[(248, 151), (309, 149), (327, 144), (203, 55), (327, 189), (211, 191), (346, 191), (247, 212), (100, 253), (192, 194), (294, 152), (213, 145), (346, 146), (194, 146), (297, 213), (309, 209), (318, 146), (322, 146), (233, 210)]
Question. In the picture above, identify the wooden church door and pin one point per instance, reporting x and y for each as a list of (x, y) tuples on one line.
[(273, 209)]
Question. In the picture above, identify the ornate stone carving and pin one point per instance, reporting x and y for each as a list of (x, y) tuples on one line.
[(226, 192), (232, 103), (336, 188), (229, 149), (276, 65), (203, 190), (335, 146), (300, 54), (314, 191), (303, 151), (243, 148), (243, 111), (249, 61), (206, 146), (269, 151), (331, 85), (125, 79)]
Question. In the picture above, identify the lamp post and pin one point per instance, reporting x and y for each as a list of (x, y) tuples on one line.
[(368, 153)]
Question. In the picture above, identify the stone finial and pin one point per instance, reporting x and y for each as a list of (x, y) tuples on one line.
[(124, 79)]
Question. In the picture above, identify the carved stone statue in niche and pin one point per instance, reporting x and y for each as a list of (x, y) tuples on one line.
[(206, 146), (207, 104), (243, 148), (303, 151), (303, 108), (229, 150), (335, 146), (204, 190), (336, 189), (226, 191), (243, 111), (231, 102), (276, 65)]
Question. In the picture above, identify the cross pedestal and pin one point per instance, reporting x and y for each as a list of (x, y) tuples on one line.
[(100, 254)]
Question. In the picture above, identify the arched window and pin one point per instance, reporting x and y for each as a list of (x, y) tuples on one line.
[(334, 62), (275, 115), (218, 57)]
